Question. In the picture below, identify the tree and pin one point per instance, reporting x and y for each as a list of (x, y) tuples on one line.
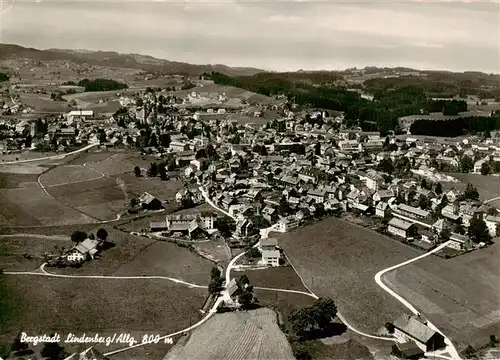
[(253, 253), (445, 235), (201, 154), (478, 231), (246, 298), (466, 164), (471, 192), (211, 152), (386, 166), (438, 189), (102, 137), (153, 170), (317, 149), (423, 184), (215, 273), (411, 195), (244, 280), (485, 168), (137, 171), (102, 234), (162, 170), (53, 351), (323, 311), (424, 203), (153, 140), (459, 228), (390, 327), (78, 236), (134, 202), (165, 140), (18, 346)]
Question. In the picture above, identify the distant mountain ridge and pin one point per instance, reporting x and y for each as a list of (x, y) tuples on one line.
[(114, 59)]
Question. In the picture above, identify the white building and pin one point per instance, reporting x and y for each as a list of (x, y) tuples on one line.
[(492, 223), (350, 146), (286, 224), (270, 251)]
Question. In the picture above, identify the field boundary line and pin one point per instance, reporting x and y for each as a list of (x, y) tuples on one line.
[(104, 277), (378, 279), (339, 315)]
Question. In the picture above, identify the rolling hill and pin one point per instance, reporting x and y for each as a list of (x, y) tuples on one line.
[(114, 59)]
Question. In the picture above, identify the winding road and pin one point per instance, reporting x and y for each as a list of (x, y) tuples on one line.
[(450, 348), (264, 233)]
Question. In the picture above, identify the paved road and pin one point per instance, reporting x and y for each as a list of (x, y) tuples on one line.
[(264, 234), (492, 199), (43, 272), (53, 157), (450, 348)]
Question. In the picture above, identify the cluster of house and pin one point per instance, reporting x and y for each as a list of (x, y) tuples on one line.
[(192, 225)]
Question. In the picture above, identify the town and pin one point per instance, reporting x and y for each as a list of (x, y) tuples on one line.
[(237, 184)]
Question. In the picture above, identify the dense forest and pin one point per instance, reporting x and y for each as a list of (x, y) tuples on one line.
[(379, 115), (443, 84), (101, 85), (456, 127)]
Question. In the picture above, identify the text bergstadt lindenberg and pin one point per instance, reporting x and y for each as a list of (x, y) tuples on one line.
[(96, 339)]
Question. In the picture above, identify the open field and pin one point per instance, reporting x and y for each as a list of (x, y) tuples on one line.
[(15, 180), (135, 255), (43, 103), (25, 155), (487, 186), (279, 278), (103, 306), (100, 198), (127, 247), (31, 207), (103, 198), (12, 250), (217, 248), (459, 295), (282, 302), (239, 335), (22, 169), (339, 260), (91, 156), (211, 90), (67, 174), (167, 259)]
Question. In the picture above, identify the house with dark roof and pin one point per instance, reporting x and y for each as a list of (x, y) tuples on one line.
[(401, 228), (410, 328), (407, 350), (149, 202)]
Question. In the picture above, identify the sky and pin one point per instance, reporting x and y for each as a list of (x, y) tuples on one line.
[(270, 34)]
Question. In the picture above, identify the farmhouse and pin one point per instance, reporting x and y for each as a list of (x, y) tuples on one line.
[(401, 228), (81, 251), (149, 202), (410, 328)]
